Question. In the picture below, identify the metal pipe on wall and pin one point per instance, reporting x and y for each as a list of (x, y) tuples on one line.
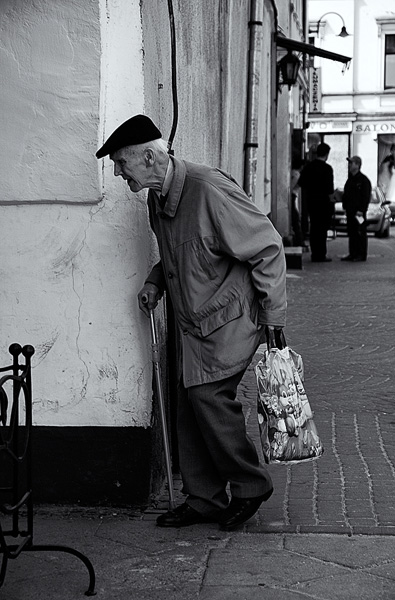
[(273, 119), (273, 125), (254, 72)]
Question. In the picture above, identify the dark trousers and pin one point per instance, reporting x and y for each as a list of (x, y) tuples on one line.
[(214, 447), (318, 235), (357, 237)]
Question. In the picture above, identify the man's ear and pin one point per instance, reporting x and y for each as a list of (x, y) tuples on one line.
[(149, 156)]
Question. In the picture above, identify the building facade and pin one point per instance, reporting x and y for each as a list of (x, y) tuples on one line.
[(76, 244), (354, 111)]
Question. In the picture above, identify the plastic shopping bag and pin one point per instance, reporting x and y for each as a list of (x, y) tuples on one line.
[(287, 429)]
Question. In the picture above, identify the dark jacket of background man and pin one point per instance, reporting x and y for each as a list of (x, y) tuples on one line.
[(356, 198), (316, 181), (357, 191)]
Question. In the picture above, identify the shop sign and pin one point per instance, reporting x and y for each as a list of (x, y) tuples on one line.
[(374, 127), (315, 89), (329, 126)]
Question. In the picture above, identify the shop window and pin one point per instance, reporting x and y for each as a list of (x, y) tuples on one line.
[(389, 61), (385, 144)]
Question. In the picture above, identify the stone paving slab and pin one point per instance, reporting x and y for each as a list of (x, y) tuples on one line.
[(319, 567), (133, 559)]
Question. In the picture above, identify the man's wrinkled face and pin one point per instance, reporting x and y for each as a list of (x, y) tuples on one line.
[(131, 165)]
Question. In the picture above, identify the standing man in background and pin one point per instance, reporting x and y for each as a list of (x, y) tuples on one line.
[(316, 181), (356, 200)]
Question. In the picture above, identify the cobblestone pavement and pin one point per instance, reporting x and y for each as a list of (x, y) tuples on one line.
[(341, 319)]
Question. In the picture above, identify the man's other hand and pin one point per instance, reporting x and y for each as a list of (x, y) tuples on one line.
[(275, 336)]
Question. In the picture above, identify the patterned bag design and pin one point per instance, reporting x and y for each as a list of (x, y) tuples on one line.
[(288, 432)]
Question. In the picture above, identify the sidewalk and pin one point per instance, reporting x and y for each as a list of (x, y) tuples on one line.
[(328, 531)]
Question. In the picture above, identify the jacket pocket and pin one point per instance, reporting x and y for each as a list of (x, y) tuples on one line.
[(224, 315)]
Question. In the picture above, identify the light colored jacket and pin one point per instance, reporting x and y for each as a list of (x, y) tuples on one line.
[(223, 264)]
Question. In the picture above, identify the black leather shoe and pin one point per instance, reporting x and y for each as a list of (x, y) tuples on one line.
[(240, 510), (349, 258), (182, 516)]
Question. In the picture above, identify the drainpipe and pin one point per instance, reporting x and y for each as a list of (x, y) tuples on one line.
[(254, 73), (306, 39)]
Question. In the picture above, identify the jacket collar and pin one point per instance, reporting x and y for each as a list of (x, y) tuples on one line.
[(175, 191)]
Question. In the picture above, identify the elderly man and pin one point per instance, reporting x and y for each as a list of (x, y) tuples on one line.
[(222, 262), (356, 198)]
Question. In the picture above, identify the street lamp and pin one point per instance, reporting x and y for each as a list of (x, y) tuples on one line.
[(343, 33), (288, 66)]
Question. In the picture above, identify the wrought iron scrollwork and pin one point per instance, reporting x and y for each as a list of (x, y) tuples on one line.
[(16, 465)]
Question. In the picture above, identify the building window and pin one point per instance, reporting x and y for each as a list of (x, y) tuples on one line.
[(389, 61)]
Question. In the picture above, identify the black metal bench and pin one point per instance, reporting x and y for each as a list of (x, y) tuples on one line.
[(16, 497)]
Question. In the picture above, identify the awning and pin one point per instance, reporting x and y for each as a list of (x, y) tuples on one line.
[(289, 44)]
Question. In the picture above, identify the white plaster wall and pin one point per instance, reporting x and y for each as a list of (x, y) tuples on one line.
[(364, 45), (212, 57), (70, 273), (49, 100)]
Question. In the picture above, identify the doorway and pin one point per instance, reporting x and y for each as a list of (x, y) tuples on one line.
[(340, 149)]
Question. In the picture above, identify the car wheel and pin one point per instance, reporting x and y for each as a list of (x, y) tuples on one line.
[(384, 232)]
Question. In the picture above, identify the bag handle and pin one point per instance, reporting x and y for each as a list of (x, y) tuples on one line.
[(275, 338)]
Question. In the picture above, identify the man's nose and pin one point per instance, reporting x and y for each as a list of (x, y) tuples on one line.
[(117, 170)]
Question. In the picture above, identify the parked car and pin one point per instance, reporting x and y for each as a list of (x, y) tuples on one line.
[(378, 216)]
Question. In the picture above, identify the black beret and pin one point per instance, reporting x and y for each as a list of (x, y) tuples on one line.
[(137, 130)]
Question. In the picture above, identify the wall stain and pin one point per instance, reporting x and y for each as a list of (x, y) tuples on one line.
[(63, 262), (109, 373), (45, 347)]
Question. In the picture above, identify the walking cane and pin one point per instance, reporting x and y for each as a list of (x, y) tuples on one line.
[(158, 380)]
